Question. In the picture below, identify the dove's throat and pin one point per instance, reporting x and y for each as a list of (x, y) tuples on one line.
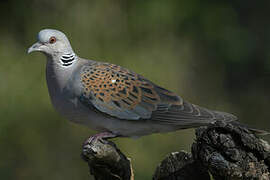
[(57, 76)]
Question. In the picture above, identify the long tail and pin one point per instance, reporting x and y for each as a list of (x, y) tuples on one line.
[(253, 130)]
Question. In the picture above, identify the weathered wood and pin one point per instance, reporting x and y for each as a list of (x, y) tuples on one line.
[(222, 150), (106, 161), (180, 166), (232, 152)]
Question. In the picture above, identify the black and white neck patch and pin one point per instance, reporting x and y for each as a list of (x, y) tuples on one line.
[(68, 59)]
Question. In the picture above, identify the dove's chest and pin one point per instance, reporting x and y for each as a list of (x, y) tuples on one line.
[(64, 90), (62, 97)]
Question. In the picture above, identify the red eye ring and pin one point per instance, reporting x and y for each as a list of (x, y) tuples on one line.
[(52, 40)]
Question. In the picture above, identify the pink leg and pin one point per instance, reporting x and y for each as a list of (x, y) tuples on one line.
[(92, 142), (99, 137)]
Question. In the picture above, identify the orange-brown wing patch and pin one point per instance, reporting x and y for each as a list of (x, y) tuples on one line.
[(112, 83)]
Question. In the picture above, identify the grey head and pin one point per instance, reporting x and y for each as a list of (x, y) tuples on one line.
[(61, 60), (52, 43)]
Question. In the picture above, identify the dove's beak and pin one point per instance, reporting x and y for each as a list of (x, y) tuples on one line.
[(35, 47)]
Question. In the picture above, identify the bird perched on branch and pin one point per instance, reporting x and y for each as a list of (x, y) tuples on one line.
[(111, 99)]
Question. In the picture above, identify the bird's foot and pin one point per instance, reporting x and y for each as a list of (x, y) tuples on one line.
[(100, 137)]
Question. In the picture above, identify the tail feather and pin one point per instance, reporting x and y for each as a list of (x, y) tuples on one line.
[(253, 130), (259, 132)]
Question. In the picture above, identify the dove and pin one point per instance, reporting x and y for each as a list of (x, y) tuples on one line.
[(114, 101)]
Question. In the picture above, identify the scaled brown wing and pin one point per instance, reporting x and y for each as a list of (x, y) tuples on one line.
[(124, 94)]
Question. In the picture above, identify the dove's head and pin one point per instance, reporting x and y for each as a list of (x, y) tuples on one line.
[(51, 42)]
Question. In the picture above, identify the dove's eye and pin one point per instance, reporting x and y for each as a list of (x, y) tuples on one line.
[(52, 40)]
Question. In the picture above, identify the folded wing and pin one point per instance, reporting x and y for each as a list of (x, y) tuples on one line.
[(123, 94)]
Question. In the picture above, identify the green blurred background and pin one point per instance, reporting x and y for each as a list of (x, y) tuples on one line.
[(212, 53)]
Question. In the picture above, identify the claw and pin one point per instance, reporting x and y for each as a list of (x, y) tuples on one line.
[(102, 137)]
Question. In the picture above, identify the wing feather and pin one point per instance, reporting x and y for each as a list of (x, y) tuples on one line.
[(123, 94)]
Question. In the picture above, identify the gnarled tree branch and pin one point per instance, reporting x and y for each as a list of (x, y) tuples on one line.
[(106, 161), (231, 152), (221, 150)]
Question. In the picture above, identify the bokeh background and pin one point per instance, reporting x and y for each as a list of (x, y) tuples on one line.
[(212, 53)]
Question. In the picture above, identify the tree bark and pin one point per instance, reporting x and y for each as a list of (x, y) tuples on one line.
[(106, 161), (229, 151), (221, 151), (180, 166)]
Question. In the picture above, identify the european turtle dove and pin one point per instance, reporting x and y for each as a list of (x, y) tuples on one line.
[(111, 99)]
